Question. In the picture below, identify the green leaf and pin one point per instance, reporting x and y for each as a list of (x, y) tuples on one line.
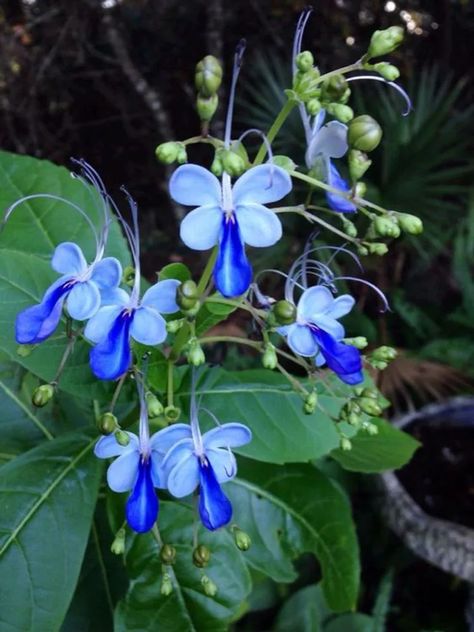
[(27, 242), (144, 609), (356, 622), (389, 449), (305, 611), (212, 314), (47, 498), (177, 271), (268, 405), (292, 510)]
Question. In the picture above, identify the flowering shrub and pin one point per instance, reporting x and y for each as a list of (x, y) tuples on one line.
[(195, 525)]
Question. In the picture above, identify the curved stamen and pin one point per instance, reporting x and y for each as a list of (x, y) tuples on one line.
[(298, 39), (264, 138), (144, 428), (371, 285), (239, 53), (392, 84), (193, 418)]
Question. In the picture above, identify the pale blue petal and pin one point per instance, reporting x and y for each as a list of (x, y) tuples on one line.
[(115, 296), (330, 141), (301, 341), (183, 479), (283, 330), (148, 326), (123, 472), (107, 447), (200, 228), (319, 359), (341, 306), (223, 463), (181, 450), (162, 296), (261, 185), (315, 300), (107, 273), (330, 325), (98, 327), (68, 259), (83, 300), (231, 435), (258, 225), (165, 439), (318, 121), (157, 474), (192, 185)]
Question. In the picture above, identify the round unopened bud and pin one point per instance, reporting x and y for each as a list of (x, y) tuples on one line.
[(380, 365), (167, 153), (242, 539), (269, 357), (24, 350), (233, 164), (371, 429), (384, 353), (285, 312), (388, 71), (377, 248), (313, 107), (173, 326), (208, 76), (335, 88), (166, 585), (168, 554), (359, 342), (107, 423), (122, 438), (187, 295), (217, 167), (206, 107), (384, 42), (349, 227), (341, 112), (364, 133), (285, 162), (310, 403), (360, 190), (42, 395), (182, 156), (358, 164), (386, 226), (172, 413), (370, 406), (118, 545), (353, 419), (201, 556), (154, 406), (345, 444), (128, 276), (195, 353), (210, 588), (411, 224), (306, 84), (304, 61), (362, 250)]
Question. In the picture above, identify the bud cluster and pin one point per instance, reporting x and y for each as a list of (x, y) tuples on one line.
[(365, 401), (207, 79)]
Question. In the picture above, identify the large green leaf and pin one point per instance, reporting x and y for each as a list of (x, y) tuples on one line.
[(295, 509), (389, 449), (47, 498), (305, 611), (27, 242), (266, 403), (187, 609)]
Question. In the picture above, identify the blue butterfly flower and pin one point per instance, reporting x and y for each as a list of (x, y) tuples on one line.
[(230, 216)]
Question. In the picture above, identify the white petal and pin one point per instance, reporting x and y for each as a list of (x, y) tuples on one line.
[(192, 185), (200, 229), (258, 225), (261, 185)]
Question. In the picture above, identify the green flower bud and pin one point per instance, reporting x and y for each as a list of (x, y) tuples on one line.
[(384, 42), (118, 545), (206, 107), (335, 88), (359, 342), (172, 413), (42, 395), (377, 248), (310, 403), (384, 353), (182, 156), (269, 357), (217, 167), (304, 61), (122, 438), (166, 585), (360, 189), (128, 276), (358, 164), (154, 406), (368, 392), (285, 312), (187, 295), (364, 133), (285, 162), (306, 85), (210, 588), (345, 444), (343, 113), (313, 107), (208, 76), (370, 406), (173, 326), (195, 353), (411, 224), (348, 227), (371, 429), (107, 423), (168, 554), (201, 556), (362, 250), (380, 365), (233, 164), (24, 350), (241, 539), (386, 226), (388, 71), (353, 419), (167, 153)]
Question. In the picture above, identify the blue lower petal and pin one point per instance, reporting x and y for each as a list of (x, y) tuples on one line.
[(215, 508), (337, 202), (141, 509), (343, 359), (232, 272), (112, 357), (35, 324)]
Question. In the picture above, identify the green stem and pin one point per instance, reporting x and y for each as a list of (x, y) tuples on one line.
[(274, 129), (357, 65), (170, 385), (117, 392), (208, 140), (293, 381), (318, 220), (206, 275)]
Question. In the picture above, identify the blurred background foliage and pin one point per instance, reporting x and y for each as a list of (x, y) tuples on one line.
[(108, 80)]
